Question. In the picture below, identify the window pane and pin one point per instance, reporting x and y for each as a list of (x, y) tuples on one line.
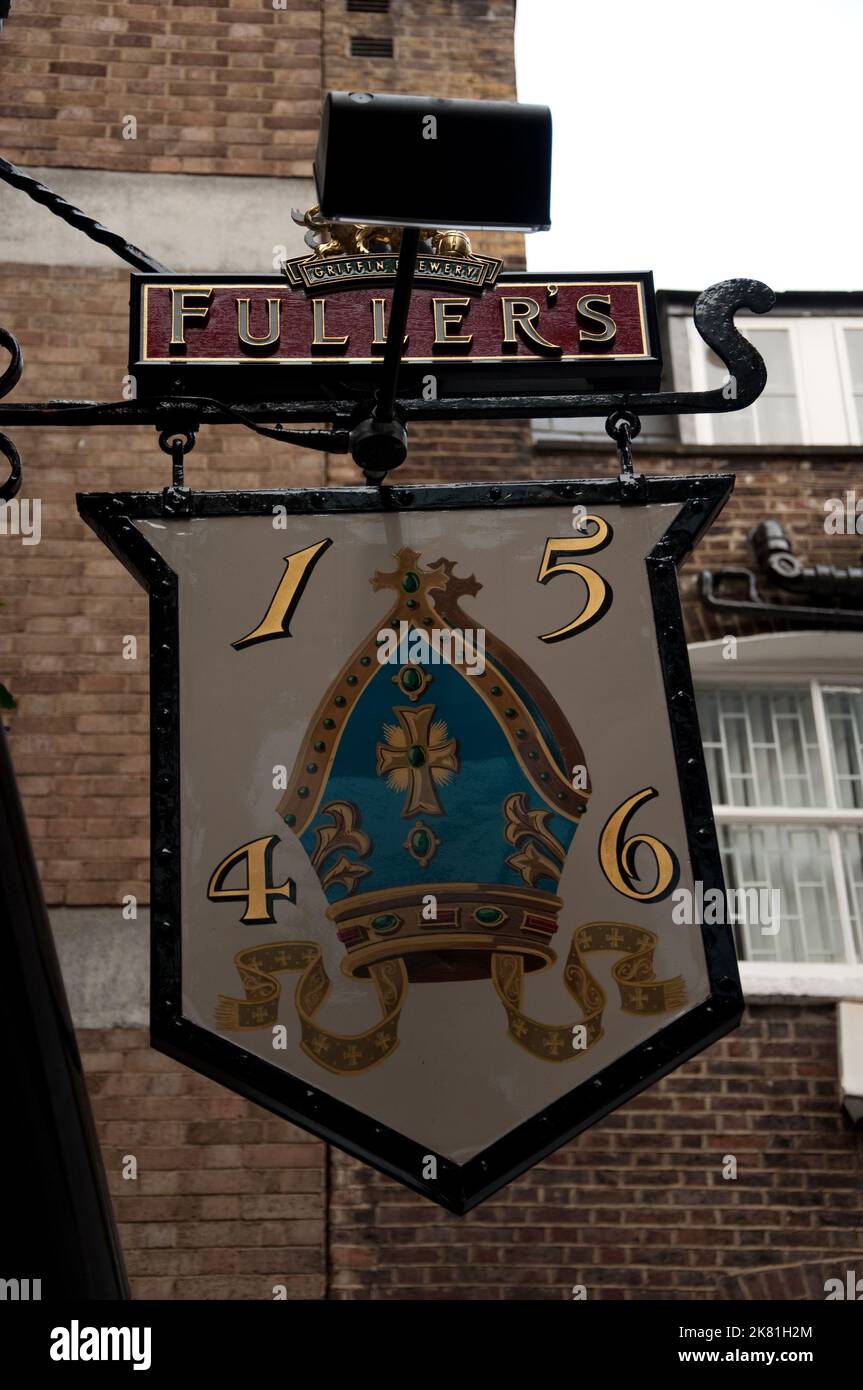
[(776, 411), (854, 344), (795, 861), (774, 345), (852, 855), (761, 747), (778, 420), (737, 427), (844, 711)]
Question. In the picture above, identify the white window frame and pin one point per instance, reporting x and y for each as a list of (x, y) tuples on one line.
[(844, 360), (813, 661), (821, 378)]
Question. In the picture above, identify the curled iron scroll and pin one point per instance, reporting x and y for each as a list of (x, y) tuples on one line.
[(8, 380), (713, 313)]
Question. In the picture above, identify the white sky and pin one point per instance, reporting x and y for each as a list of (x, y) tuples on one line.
[(701, 140)]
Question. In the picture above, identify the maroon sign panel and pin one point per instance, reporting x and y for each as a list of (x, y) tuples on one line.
[(322, 318)]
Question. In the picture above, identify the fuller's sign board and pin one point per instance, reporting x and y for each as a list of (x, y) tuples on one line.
[(426, 773), (471, 327)]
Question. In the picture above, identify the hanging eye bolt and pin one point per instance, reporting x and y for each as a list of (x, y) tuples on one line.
[(177, 443), (622, 426)]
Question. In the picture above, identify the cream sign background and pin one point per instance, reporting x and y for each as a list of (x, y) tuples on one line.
[(457, 1082)]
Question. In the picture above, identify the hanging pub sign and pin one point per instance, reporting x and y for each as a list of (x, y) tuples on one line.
[(471, 326), (426, 781)]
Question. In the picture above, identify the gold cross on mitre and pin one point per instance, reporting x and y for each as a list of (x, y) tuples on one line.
[(417, 755)]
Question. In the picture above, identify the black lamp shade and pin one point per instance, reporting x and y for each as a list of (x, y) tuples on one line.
[(431, 162)]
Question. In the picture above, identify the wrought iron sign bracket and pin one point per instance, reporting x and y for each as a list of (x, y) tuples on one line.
[(358, 423)]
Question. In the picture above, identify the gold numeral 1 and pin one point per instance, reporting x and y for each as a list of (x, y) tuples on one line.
[(599, 593), (617, 853), (276, 620)]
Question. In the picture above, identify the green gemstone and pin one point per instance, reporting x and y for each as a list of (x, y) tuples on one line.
[(302, 791), (411, 603), (411, 679), (416, 756), (496, 690), (411, 582), (489, 916), (352, 680), (340, 701), (521, 733), (386, 922), (365, 661), (543, 777), (561, 796), (311, 767), (428, 621), (421, 843), (329, 723), (510, 713), (533, 753), (320, 747), (290, 818)]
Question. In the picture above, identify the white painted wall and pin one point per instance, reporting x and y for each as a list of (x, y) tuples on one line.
[(188, 222)]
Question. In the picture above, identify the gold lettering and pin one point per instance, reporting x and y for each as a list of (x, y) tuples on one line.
[(273, 323), (448, 313), (319, 321), (276, 620), (521, 314), (181, 310), (379, 323), (609, 327)]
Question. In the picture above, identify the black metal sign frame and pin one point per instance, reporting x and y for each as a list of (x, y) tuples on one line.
[(457, 1187)]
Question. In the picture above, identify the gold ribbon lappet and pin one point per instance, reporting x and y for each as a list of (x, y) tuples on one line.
[(640, 991), (344, 1054)]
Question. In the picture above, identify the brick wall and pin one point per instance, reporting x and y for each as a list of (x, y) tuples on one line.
[(204, 81), (230, 1202), (225, 86)]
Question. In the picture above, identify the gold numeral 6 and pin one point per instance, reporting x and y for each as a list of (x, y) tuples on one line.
[(617, 853)]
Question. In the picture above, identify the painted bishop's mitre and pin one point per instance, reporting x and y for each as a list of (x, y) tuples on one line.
[(435, 792)]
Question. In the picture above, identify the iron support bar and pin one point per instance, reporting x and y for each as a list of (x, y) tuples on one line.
[(78, 219)]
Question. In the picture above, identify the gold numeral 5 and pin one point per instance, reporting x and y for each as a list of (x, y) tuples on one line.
[(599, 594)]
